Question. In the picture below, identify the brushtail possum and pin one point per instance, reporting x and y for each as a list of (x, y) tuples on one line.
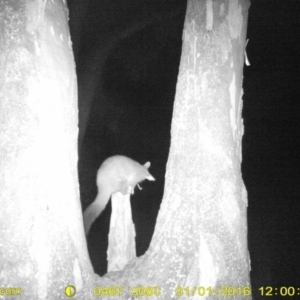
[(116, 174)]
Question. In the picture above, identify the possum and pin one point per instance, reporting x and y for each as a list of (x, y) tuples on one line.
[(116, 174)]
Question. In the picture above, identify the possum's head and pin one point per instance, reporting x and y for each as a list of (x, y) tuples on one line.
[(141, 173), (148, 175)]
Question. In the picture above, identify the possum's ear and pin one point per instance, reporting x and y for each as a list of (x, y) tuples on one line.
[(147, 164)]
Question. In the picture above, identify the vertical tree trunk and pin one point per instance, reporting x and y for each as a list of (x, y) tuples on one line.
[(121, 239), (200, 237), (205, 201), (42, 245), (201, 233)]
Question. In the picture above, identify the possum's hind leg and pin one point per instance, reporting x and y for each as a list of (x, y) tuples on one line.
[(123, 187)]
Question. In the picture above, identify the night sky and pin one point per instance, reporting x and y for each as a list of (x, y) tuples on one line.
[(132, 116), (271, 160)]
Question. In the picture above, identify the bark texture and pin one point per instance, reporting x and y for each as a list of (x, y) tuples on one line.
[(121, 239), (42, 245), (201, 232)]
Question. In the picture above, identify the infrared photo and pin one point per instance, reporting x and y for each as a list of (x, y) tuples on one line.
[(148, 148)]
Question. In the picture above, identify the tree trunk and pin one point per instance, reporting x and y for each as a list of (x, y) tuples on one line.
[(42, 245), (121, 238), (201, 233), (200, 240)]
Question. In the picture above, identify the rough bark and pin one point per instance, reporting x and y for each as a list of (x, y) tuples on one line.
[(200, 238), (42, 245), (121, 239), (201, 233)]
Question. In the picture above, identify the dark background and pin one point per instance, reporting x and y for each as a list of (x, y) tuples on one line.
[(271, 160), (136, 102)]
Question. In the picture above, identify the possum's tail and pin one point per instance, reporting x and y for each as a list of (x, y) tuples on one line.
[(92, 212)]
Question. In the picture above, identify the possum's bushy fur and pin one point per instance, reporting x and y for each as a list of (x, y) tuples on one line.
[(116, 174)]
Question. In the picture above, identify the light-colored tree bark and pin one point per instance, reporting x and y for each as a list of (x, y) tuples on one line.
[(200, 237), (201, 233), (121, 239), (42, 245)]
